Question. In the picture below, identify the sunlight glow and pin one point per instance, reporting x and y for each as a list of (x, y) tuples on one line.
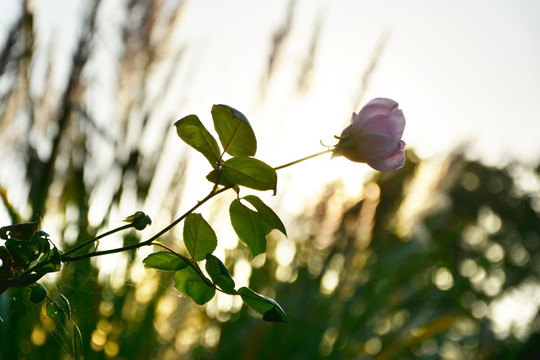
[(165, 308), (513, 313), (241, 272), (488, 220), (494, 252), (366, 215), (329, 281), (443, 279), (111, 348), (38, 336), (328, 340), (429, 347), (373, 345), (285, 251), (479, 309), (286, 273), (422, 195), (212, 336), (519, 255), (98, 340), (468, 267)]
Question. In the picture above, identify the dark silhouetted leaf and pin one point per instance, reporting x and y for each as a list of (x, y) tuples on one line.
[(268, 308), (21, 231), (220, 274), (139, 220)]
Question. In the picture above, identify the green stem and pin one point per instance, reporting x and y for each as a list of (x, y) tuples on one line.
[(303, 159), (66, 258), (150, 240), (80, 246)]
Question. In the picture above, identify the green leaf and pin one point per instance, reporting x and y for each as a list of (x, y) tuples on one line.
[(266, 213), (221, 180), (55, 312), (194, 284), (268, 308), (249, 227), (250, 172), (199, 237), (164, 260), (235, 132), (219, 274), (77, 343), (51, 260), (192, 131)]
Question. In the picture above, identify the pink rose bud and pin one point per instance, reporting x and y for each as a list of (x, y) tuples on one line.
[(374, 136)]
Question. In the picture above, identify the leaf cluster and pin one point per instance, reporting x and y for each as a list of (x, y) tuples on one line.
[(233, 166), (28, 254)]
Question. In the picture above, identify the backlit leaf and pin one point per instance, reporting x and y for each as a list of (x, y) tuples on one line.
[(235, 132), (214, 176), (250, 172), (164, 260), (266, 213), (199, 237), (194, 284), (268, 308), (192, 131), (249, 227)]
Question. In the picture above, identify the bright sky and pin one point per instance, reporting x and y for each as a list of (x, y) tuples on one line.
[(462, 72)]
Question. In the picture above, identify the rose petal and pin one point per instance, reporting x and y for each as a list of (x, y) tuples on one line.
[(378, 121), (374, 136), (391, 163), (375, 107), (368, 148), (375, 146)]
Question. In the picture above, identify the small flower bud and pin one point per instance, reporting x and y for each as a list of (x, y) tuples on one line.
[(139, 220)]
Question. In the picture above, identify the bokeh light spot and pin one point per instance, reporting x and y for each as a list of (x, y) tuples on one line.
[(443, 279)]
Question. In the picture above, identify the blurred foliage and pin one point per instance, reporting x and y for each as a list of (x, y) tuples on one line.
[(428, 288), (419, 268)]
